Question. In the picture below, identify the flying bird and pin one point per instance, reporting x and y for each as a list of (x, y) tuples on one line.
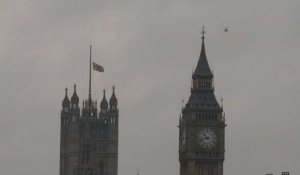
[(226, 29)]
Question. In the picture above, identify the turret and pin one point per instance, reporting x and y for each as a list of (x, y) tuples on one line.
[(104, 103), (66, 102), (202, 91), (74, 100), (202, 76), (113, 102)]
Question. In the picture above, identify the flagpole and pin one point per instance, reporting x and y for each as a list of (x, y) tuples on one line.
[(90, 82)]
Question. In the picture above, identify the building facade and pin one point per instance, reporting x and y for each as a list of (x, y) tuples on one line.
[(202, 125), (88, 137)]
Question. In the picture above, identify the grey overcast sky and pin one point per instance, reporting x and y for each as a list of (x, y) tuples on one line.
[(148, 50)]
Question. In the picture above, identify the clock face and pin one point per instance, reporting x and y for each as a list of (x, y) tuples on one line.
[(183, 137), (207, 138)]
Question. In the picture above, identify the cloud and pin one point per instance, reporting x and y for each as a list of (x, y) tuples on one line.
[(148, 49)]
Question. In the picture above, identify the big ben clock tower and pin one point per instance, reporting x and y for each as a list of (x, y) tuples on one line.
[(202, 125)]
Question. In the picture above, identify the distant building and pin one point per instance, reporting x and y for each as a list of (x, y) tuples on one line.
[(283, 173), (88, 138), (202, 125)]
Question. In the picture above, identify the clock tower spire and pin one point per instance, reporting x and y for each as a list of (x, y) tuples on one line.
[(202, 125)]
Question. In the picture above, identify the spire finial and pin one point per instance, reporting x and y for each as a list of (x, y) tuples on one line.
[(104, 103), (66, 101), (113, 99), (203, 32), (202, 68)]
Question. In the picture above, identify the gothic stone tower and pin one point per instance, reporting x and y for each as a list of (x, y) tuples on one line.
[(202, 125), (89, 140)]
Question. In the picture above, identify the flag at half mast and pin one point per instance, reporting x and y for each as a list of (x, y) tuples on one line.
[(97, 67)]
